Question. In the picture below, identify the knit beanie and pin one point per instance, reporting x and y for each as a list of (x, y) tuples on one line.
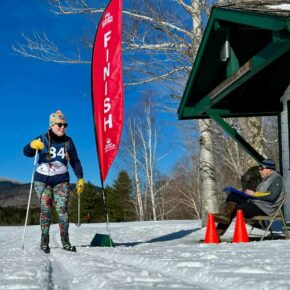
[(268, 163), (57, 117)]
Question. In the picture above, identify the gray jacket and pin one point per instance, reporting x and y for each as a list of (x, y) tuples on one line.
[(270, 204)]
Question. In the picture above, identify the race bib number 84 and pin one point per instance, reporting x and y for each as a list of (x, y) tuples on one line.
[(54, 154)]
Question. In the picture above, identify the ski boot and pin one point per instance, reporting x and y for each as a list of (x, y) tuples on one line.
[(66, 244), (44, 244)]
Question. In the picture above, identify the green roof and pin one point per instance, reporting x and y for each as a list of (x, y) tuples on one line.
[(253, 76)]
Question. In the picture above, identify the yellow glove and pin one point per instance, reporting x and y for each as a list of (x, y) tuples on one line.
[(80, 186), (37, 144)]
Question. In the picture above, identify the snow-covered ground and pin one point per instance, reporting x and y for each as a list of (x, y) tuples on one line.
[(148, 255)]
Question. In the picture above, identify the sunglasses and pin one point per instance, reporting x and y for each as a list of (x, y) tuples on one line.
[(261, 168), (61, 124)]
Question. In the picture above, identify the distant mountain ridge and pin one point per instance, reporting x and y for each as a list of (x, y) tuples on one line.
[(14, 193), (9, 179)]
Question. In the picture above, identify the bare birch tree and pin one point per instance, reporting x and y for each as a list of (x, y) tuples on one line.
[(149, 142), (184, 187), (140, 149), (131, 147)]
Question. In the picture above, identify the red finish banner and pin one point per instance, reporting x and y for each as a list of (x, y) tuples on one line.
[(107, 85)]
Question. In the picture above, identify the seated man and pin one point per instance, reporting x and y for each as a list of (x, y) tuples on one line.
[(263, 201)]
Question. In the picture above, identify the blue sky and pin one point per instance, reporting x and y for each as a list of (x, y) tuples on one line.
[(32, 89)]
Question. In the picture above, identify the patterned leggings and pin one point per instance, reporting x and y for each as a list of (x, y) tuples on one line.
[(47, 194)]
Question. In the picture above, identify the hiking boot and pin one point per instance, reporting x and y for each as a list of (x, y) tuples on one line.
[(66, 244), (44, 244), (225, 217)]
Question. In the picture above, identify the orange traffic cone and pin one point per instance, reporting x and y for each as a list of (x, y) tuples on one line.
[(211, 235), (240, 234)]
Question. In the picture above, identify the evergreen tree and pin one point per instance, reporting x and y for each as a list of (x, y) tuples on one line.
[(16, 216), (119, 199), (90, 202)]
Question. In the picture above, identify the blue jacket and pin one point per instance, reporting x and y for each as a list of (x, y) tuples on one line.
[(56, 150)]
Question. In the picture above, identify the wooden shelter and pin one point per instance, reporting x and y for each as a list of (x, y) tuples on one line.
[(242, 69)]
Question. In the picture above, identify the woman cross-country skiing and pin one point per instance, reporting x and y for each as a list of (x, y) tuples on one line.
[(51, 177)]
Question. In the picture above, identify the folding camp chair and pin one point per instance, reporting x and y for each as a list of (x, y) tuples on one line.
[(278, 216)]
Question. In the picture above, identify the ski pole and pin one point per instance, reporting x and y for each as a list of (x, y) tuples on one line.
[(79, 210), (29, 199), (106, 214)]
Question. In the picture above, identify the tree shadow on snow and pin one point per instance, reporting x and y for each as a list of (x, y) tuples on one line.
[(165, 238)]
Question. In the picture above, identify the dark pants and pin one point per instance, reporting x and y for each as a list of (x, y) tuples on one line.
[(249, 209)]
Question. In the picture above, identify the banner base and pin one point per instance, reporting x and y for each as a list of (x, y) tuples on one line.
[(101, 240)]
